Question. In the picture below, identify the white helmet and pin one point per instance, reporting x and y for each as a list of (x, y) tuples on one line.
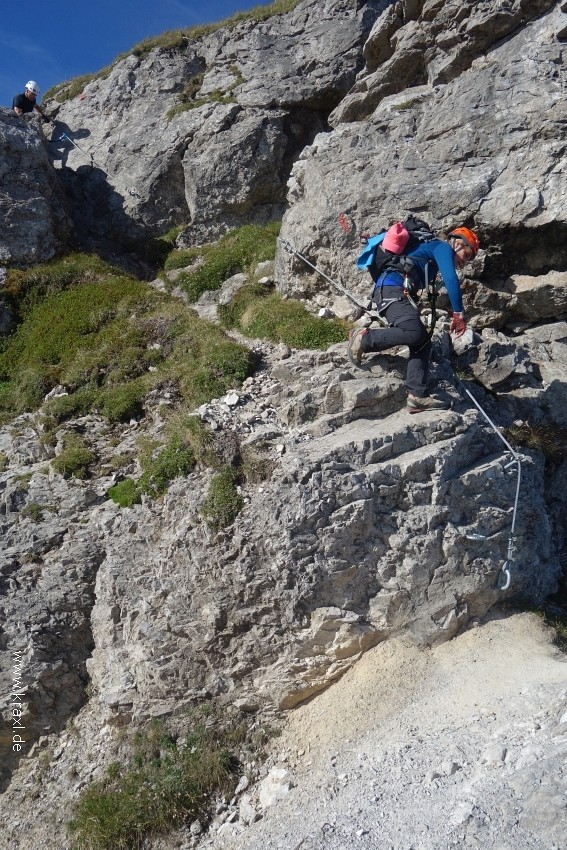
[(32, 86)]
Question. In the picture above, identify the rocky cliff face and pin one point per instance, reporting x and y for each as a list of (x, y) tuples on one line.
[(34, 223), (373, 524), (206, 135)]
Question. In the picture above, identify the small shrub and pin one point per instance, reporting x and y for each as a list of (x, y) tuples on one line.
[(223, 502), (75, 458), (126, 493), (172, 461), (34, 511)]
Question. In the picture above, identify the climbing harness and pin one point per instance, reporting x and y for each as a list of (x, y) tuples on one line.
[(68, 139), (517, 460)]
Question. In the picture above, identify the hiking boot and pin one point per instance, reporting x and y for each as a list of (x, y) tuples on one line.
[(355, 349), (420, 404)]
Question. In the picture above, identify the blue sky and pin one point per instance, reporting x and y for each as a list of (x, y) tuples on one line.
[(55, 40)]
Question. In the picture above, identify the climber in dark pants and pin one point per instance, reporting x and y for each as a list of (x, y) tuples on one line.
[(405, 328), (404, 324)]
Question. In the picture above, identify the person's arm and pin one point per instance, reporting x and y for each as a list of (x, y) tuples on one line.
[(445, 259), (16, 107), (45, 117)]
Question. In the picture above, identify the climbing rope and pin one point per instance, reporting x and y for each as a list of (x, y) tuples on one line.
[(334, 283), (67, 138), (517, 460)]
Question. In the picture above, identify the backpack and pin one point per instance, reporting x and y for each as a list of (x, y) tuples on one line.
[(377, 259)]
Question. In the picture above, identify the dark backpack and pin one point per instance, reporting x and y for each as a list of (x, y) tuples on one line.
[(377, 260)]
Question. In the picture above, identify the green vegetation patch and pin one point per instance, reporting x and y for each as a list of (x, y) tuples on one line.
[(108, 339), (192, 431), (223, 502), (174, 459), (25, 289), (260, 313), (156, 251), (165, 784), (237, 251), (191, 442), (189, 99), (75, 459), (34, 511)]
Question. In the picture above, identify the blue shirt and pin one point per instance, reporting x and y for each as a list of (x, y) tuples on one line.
[(440, 258)]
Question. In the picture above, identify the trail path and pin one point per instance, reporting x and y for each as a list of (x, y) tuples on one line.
[(463, 745)]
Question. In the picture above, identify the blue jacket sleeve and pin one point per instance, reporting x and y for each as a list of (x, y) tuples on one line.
[(445, 258)]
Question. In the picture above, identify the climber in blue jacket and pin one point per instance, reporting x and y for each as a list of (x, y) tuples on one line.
[(404, 324)]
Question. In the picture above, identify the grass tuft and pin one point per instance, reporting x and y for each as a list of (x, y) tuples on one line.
[(223, 502), (165, 784), (174, 459), (237, 251), (75, 459), (260, 313), (548, 438)]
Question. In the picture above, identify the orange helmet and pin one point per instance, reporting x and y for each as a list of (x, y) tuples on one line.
[(468, 236)]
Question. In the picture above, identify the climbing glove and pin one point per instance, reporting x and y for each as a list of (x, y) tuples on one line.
[(458, 324)]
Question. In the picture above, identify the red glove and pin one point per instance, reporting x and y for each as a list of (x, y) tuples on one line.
[(458, 324)]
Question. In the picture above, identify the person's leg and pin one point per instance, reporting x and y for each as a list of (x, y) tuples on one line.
[(405, 328), (419, 400), (418, 368)]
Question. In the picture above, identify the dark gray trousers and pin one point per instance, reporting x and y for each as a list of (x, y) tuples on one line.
[(406, 329)]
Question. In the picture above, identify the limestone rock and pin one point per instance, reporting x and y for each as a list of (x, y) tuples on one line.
[(374, 524), (415, 43), (34, 223), (154, 167), (461, 151)]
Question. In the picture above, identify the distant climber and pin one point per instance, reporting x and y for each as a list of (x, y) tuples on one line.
[(400, 311), (26, 102)]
